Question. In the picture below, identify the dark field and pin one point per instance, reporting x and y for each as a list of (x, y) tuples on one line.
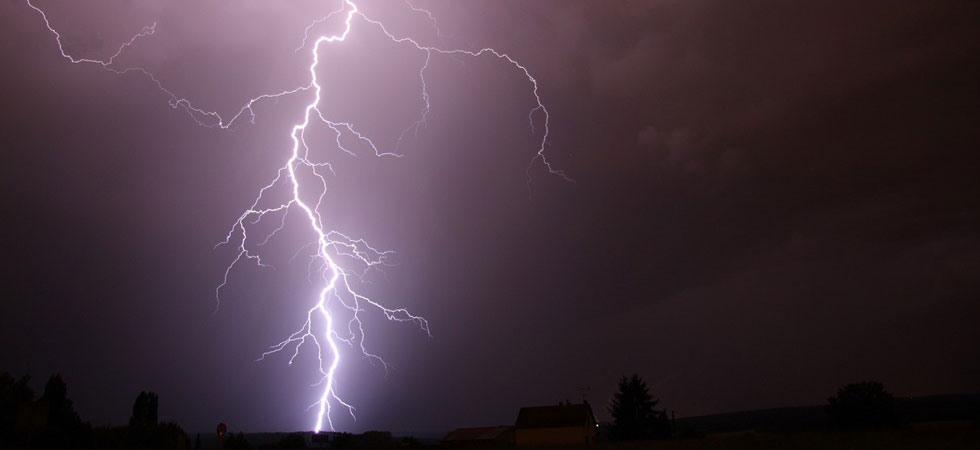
[(930, 435), (949, 435)]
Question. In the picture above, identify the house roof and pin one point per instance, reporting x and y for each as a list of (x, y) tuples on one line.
[(564, 415), (476, 434)]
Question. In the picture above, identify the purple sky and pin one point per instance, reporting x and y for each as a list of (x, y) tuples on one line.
[(773, 199)]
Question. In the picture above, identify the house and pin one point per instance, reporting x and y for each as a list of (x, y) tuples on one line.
[(480, 437), (562, 424)]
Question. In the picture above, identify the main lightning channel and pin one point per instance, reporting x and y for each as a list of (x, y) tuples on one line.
[(331, 246)]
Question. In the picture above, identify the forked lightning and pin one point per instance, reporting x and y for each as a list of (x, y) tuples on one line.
[(340, 260)]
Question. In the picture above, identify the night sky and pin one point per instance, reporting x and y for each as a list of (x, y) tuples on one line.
[(771, 200)]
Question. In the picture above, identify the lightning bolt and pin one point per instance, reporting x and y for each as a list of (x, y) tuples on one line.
[(339, 259)]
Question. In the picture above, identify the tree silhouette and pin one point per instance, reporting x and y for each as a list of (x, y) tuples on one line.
[(61, 413), (633, 413), (144, 410), (64, 428), (13, 393), (863, 405)]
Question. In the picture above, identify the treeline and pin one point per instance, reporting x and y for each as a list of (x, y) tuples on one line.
[(50, 420), (857, 406)]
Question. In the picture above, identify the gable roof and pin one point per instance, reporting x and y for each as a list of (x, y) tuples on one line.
[(476, 434), (564, 415)]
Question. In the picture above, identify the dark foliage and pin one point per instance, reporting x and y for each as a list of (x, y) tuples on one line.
[(409, 442), (14, 392), (375, 439), (61, 412), (863, 405), (160, 436), (51, 421), (144, 410), (342, 440), (366, 440), (63, 428), (633, 413), (292, 441), (236, 442)]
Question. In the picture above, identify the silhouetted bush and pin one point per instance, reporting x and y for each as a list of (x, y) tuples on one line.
[(863, 405)]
